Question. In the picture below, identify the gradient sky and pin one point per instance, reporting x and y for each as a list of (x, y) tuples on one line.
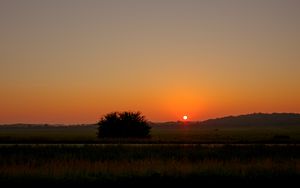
[(71, 61)]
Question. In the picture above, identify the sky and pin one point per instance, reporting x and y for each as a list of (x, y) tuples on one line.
[(72, 61)]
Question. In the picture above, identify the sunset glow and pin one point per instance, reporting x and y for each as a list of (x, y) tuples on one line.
[(73, 61), (185, 117)]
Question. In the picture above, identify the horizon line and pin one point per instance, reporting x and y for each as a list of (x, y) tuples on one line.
[(167, 121)]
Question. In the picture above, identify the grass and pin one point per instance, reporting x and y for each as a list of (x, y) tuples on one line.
[(177, 156), (47, 134), (87, 134), (113, 163)]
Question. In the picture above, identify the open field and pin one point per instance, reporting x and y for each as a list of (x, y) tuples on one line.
[(179, 155), (152, 164), (159, 134)]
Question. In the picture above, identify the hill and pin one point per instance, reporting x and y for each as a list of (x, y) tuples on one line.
[(248, 120), (255, 119)]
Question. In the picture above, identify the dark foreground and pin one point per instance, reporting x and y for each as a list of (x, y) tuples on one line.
[(149, 165)]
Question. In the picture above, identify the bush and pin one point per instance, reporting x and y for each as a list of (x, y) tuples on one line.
[(124, 124)]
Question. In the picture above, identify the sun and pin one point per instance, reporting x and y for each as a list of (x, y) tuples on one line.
[(185, 117)]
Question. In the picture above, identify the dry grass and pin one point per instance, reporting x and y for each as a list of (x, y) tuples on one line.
[(144, 168), (111, 163)]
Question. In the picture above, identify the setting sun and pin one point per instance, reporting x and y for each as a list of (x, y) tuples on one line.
[(185, 117)]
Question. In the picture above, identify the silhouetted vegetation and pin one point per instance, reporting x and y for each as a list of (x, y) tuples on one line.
[(123, 124), (170, 133), (172, 155), (148, 163)]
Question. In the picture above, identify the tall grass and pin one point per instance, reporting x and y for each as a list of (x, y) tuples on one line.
[(95, 163)]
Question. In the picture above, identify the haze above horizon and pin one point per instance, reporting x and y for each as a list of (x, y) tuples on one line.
[(72, 61)]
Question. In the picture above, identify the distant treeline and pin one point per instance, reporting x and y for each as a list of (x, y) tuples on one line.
[(24, 125)]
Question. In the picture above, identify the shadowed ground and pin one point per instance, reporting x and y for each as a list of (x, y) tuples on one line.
[(151, 164)]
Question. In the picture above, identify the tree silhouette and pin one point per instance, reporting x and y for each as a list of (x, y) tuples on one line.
[(123, 124)]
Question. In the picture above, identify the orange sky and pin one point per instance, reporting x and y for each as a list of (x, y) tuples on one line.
[(73, 61)]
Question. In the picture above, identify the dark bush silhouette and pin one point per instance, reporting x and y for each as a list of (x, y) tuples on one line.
[(124, 124)]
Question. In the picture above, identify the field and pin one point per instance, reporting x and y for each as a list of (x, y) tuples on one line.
[(159, 134), (177, 156), (151, 163)]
